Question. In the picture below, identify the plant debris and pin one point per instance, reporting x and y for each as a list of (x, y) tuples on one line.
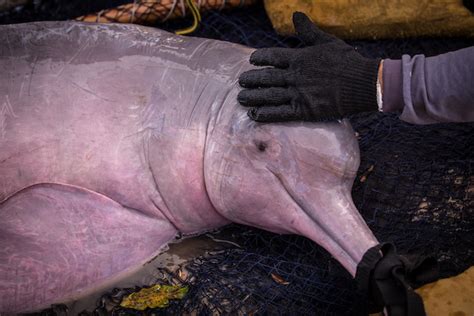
[(157, 296), (278, 279)]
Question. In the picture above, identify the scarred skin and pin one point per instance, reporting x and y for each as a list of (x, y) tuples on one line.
[(115, 138)]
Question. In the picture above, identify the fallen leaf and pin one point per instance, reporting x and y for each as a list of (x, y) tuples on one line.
[(157, 296), (278, 279), (363, 178)]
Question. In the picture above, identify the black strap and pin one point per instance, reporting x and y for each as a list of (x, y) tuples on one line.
[(388, 280)]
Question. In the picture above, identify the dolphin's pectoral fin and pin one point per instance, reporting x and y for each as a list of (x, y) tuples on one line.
[(58, 242)]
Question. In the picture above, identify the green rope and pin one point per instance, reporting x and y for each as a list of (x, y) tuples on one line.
[(196, 19)]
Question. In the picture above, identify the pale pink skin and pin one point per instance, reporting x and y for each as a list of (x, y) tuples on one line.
[(114, 138)]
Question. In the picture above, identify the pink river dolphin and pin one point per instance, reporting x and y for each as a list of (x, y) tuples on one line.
[(114, 139)]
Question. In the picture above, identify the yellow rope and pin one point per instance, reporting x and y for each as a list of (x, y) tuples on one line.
[(196, 19)]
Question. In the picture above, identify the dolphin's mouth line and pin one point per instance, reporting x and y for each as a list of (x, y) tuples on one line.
[(300, 206)]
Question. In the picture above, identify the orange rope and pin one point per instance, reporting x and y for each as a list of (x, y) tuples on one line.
[(155, 11)]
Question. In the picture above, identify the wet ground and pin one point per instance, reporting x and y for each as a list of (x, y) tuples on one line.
[(453, 296), (174, 258)]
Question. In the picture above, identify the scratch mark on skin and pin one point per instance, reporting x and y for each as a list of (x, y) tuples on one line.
[(91, 92), (19, 153), (163, 75), (77, 53), (9, 44), (202, 48), (224, 174), (196, 103), (20, 92), (68, 62), (146, 132), (7, 109), (10, 107), (31, 75)]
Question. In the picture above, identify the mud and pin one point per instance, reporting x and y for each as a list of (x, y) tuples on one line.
[(173, 259)]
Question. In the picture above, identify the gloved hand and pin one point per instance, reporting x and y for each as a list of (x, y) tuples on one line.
[(389, 280), (324, 81)]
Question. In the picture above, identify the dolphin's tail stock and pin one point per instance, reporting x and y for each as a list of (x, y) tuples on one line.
[(58, 242)]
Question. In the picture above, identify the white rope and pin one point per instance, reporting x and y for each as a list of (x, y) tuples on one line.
[(183, 8), (99, 15), (134, 8), (170, 12), (223, 5)]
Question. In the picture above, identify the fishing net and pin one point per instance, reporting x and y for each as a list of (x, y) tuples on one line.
[(415, 188), (138, 11)]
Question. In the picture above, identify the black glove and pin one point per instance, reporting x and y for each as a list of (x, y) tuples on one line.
[(389, 280), (324, 81)]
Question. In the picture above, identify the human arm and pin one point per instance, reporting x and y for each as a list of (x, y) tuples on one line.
[(428, 90), (328, 80)]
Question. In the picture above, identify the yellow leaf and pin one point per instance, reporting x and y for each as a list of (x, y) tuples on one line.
[(157, 296)]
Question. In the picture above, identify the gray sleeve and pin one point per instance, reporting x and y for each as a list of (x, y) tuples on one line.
[(430, 90)]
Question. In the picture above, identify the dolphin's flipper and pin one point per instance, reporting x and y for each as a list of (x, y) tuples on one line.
[(57, 242)]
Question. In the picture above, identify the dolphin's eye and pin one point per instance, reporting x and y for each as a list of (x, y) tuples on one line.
[(261, 146)]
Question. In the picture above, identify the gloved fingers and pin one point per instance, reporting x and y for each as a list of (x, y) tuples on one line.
[(308, 31), (276, 56), (267, 77), (264, 97), (289, 112), (279, 113)]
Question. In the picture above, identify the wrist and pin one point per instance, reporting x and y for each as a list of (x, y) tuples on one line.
[(359, 91), (392, 77), (380, 74), (379, 87)]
